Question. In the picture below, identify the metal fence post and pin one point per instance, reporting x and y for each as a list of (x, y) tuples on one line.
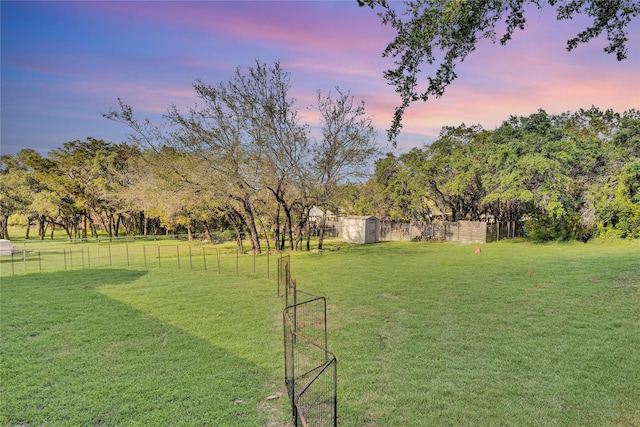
[(204, 259)]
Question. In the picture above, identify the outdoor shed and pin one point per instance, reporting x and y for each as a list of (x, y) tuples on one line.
[(360, 229), (6, 249)]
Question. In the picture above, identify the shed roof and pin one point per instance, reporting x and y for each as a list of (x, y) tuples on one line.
[(360, 217)]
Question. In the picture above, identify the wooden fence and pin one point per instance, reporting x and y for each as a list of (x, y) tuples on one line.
[(459, 231)]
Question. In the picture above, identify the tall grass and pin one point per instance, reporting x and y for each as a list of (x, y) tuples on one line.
[(425, 334)]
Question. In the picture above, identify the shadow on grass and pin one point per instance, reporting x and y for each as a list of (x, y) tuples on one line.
[(73, 356)]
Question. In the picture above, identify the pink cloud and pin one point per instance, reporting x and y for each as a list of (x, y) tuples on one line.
[(533, 71), (307, 26), (149, 53)]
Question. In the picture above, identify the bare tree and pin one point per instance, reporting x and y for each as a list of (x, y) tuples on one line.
[(245, 138), (348, 145)]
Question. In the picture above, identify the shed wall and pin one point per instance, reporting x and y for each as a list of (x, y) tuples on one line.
[(5, 248), (360, 230)]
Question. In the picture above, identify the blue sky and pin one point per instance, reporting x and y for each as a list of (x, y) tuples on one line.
[(65, 63)]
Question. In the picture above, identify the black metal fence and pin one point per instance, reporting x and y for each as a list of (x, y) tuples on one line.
[(103, 254), (310, 368), (284, 274)]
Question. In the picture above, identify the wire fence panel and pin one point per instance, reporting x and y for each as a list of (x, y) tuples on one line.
[(45, 257), (311, 320), (317, 403), (310, 368), (296, 295), (284, 274)]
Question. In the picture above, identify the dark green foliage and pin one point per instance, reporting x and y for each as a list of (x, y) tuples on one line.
[(568, 176), (77, 188)]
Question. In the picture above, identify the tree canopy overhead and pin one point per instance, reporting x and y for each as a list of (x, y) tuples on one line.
[(444, 32)]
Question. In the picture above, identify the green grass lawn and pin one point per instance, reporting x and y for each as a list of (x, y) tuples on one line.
[(425, 334)]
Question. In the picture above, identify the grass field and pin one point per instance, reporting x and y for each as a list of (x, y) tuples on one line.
[(425, 334)]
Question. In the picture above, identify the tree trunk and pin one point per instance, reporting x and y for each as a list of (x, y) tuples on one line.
[(4, 227), (239, 240), (26, 234), (207, 231), (303, 224), (94, 230), (276, 229), (117, 226), (238, 231), (321, 231), (107, 223), (42, 229), (236, 220), (69, 232), (84, 226), (266, 235), (251, 226), (282, 240), (289, 227), (145, 224)]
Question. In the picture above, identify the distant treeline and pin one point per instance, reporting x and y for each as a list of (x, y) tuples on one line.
[(568, 176)]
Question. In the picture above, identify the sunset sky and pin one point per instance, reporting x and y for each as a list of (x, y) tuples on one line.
[(65, 63)]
